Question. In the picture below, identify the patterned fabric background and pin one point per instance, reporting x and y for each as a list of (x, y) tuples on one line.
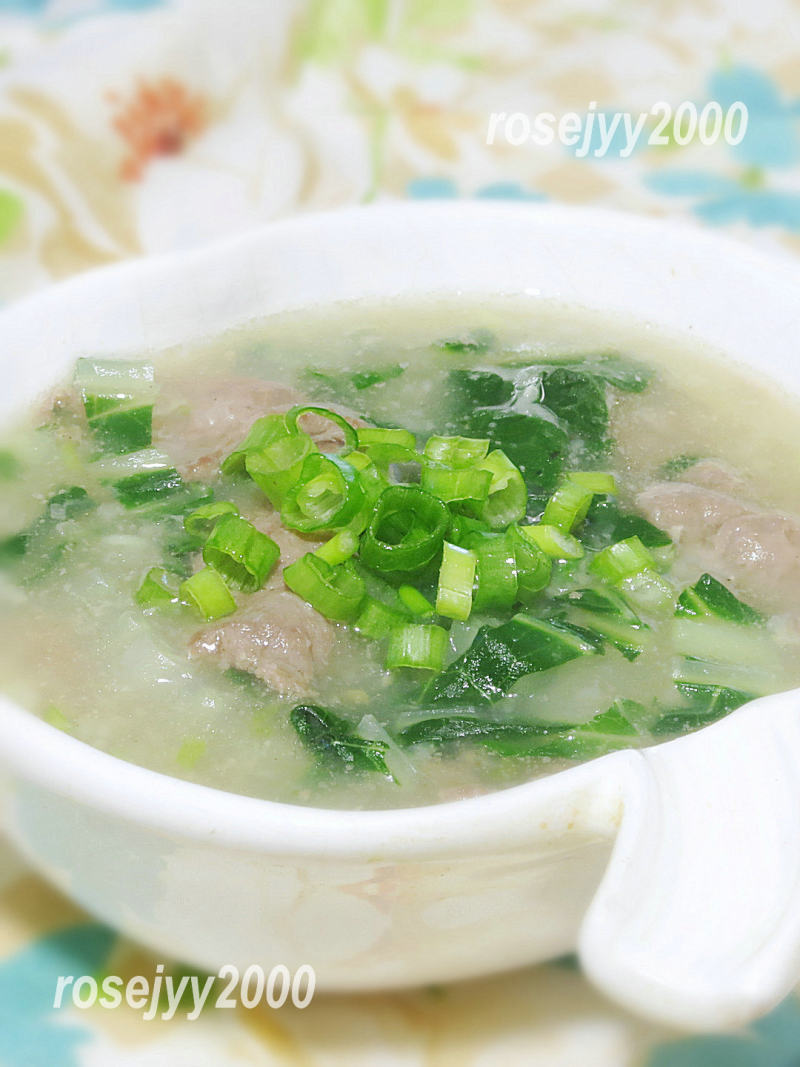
[(130, 127)]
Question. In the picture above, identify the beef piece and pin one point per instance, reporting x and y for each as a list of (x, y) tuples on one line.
[(759, 554), (276, 636), (198, 422), (690, 514), (711, 474)]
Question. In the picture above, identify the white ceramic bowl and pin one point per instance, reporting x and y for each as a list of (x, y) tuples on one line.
[(675, 871)]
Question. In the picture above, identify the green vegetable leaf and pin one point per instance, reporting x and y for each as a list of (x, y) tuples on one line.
[(705, 704), (710, 597), (335, 740), (500, 655), (579, 401)]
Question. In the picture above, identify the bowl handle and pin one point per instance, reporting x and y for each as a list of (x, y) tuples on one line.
[(696, 922)]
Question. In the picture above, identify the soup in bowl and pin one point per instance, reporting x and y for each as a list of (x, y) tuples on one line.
[(419, 530)]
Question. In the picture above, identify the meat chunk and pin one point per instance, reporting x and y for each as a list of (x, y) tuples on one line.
[(690, 514), (276, 636), (756, 552), (759, 553), (711, 474), (200, 421)]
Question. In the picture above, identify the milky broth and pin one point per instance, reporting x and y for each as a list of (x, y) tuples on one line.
[(77, 650)]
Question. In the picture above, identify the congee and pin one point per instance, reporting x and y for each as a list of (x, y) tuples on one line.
[(388, 556)]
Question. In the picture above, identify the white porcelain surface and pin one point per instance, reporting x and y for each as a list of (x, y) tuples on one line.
[(674, 870)]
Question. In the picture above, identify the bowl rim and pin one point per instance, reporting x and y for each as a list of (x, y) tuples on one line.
[(41, 754)]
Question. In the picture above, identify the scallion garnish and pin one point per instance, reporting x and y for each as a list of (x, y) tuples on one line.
[(348, 431), (406, 531), (456, 580), (417, 646), (507, 493), (552, 541), (242, 554), (156, 589), (341, 546), (416, 603), (466, 485), (326, 496), (336, 592), (276, 466), (622, 560), (208, 593), (456, 452), (201, 522), (567, 507)]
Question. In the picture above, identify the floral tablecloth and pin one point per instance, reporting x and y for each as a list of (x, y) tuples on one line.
[(130, 127)]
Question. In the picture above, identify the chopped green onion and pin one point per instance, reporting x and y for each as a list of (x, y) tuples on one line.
[(241, 553), (622, 560), (264, 432), (416, 603), (508, 496), (208, 592), (377, 620), (201, 522), (336, 592), (156, 589), (417, 646), (406, 530), (552, 541), (341, 546), (372, 480), (567, 507), (449, 485), (495, 574), (456, 452), (327, 495), (533, 564), (276, 467), (456, 579), (595, 481), (350, 433), (384, 455), (380, 435), (463, 528)]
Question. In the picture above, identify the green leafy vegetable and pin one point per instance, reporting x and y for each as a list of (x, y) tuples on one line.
[(500, 655), (161, 491), (706, 704), (710, 597), (476, 342), (579, 401), (334, 740)]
